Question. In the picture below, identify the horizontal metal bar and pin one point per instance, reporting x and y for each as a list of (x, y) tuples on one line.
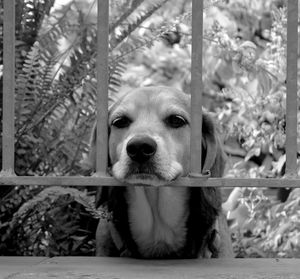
[(181, 182), (8, 142), (291, 98)]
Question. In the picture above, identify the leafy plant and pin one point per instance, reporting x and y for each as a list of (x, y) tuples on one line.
[(252, 75), (271, 229), (55, 110), (149, 43), (54, 222)]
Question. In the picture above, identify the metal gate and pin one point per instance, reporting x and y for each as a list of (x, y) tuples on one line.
[(8, 177)]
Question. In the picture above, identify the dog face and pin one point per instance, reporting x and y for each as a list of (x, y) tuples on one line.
[(149, 141), (149, 136), (149, 144)]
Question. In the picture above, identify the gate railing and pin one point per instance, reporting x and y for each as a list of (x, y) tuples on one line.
[(8, 177)]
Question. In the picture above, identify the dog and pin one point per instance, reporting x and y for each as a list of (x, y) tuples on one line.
[(149, 145)]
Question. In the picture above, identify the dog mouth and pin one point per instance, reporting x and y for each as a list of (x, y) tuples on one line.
[(148, 176), (145, 174), (149, 173), (143, 171)]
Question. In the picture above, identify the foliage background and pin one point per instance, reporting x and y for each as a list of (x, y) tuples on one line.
[(244, 53)]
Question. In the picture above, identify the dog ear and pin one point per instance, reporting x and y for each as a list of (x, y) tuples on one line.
[(102, 193), (213, 156)]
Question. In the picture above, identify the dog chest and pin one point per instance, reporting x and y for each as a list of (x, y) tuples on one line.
[(157, 218)]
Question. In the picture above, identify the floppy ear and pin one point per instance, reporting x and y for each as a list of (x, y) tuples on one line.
[(91, 159), (206, 202), (213, 156), (102, 193)]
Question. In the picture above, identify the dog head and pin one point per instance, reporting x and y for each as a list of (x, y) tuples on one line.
[(149, 144), (149, 137)]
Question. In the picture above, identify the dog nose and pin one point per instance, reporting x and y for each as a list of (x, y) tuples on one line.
[(141, 148)]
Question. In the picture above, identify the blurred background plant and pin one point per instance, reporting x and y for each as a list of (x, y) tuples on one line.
[(244, 60)]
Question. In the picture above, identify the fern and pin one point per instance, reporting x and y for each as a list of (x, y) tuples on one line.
[(47, 221), (30, 15), (140, 17), (49, 109), (116, 69), (28, 84), (49, 97), (58, 25), (55, 110), (127, 11)]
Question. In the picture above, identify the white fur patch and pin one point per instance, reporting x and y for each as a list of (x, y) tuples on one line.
[(157, 219), (157, 216)]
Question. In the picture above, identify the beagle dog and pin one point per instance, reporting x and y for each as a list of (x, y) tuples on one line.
[(149, 145)]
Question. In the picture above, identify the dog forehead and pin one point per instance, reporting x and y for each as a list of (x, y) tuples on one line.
[(153, 97)]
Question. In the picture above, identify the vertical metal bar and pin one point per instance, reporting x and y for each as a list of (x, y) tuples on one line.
[(8, 142), (196, 86), (102, 87), (291, 99)]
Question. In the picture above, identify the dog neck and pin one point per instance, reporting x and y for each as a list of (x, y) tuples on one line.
[(157, 218)]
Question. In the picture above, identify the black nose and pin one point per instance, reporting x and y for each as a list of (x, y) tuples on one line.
[(141, 148)]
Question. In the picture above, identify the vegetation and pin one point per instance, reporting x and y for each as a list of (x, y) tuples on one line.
[(150, 43)]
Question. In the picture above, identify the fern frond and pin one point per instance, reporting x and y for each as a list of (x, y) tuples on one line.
[(49, 218), (132, 45), (28, 84), (116, 69), (30, 15), (59, 26), (140, 17), (127, 11), (34, 87)]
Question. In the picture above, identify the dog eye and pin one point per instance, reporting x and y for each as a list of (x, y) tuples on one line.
[(121, 122), (175, 121)]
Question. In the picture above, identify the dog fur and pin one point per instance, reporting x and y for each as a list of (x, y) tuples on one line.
[(159, 222)]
